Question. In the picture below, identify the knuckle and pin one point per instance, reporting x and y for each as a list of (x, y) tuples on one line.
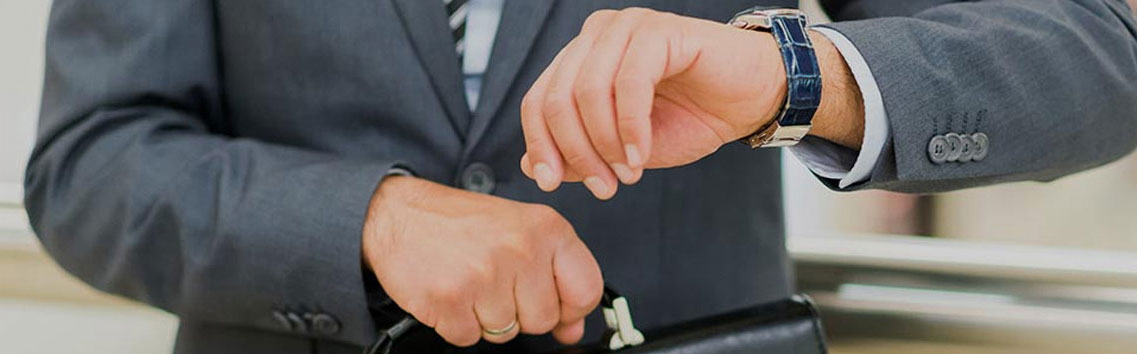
[(576, 158), (598, 17), (536, 142), (528, 103), (665, 16), (481, 273), (543, 215), (546, 321), (626, 123), (628, 129), (588, 297), (544, 212), (546, 220), (627, 82), (423, 312), (591, 91), (638, 11), (557, 105), (520, 248), (608, 148), (450, 292), (560, 226), (532, 143)]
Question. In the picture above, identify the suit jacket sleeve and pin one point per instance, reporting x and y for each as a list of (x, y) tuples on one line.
[(1051, 82), (135, 187)]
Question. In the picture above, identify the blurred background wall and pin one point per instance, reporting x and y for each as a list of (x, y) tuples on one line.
[(40, 305)]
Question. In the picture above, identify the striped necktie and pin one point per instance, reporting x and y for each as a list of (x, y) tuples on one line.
[(456, 13)]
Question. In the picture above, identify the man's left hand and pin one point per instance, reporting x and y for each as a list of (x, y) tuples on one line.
[(641, 89)]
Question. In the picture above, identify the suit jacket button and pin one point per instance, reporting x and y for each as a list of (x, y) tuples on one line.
[(282, 320), (954, 143), (967, 148), (980, 150), (938, 149), (325, 324), (478, 177)]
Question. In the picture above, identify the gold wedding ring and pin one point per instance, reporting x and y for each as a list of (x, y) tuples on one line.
[(498, 332)]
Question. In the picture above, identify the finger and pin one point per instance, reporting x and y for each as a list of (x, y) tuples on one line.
[(573, 142), (593, 91), (536, 297), (459, 327), (642, 68), (579, 281), (563, 119), (545, 165), (569, 333), (495, 310), (527, 169)]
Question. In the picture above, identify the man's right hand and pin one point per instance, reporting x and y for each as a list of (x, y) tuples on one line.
[(465, 263)]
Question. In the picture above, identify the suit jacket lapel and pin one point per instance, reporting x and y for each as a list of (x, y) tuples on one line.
[(521, 22), (426, 25)]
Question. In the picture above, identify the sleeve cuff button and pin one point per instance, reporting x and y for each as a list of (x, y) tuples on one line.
[(325, 324), (938, 149), (981, 147)]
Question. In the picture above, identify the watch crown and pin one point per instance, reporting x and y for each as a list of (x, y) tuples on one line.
[(750, 21)]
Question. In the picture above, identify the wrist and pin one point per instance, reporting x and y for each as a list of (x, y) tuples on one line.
[(840, 117), (379, 222), (800, 86), (769, 70)]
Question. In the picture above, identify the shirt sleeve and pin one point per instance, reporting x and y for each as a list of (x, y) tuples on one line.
[(833, 161)]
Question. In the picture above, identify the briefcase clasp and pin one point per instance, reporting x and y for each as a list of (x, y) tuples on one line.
[(618, 318)]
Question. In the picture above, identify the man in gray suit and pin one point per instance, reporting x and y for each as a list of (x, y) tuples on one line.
[(276, 173)]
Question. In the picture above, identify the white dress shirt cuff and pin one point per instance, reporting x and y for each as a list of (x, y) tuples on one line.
[(832, 161), (399, 171)]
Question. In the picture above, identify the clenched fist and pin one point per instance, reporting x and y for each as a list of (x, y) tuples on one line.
[(640, 89), (476, 266)]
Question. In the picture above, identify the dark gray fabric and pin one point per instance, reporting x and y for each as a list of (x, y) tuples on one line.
[(215, 158), (1051, 82), (435, 50)]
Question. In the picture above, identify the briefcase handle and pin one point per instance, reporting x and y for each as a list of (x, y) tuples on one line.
[(618, 318)]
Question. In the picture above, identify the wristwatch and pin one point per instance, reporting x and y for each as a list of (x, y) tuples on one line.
[(803, 79)]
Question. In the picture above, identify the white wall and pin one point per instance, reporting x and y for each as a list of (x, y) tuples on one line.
[(22, 24)]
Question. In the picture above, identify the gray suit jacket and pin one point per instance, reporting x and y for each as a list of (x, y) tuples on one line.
[(215, 158)]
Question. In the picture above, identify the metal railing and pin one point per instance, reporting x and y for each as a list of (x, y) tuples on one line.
[(983, 296)]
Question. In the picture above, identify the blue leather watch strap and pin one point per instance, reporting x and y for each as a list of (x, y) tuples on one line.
[(803, 78)]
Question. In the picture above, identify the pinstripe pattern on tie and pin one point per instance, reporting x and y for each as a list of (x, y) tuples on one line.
[(456, 15)]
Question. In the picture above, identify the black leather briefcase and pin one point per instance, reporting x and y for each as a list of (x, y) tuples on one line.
[(790, 326)]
